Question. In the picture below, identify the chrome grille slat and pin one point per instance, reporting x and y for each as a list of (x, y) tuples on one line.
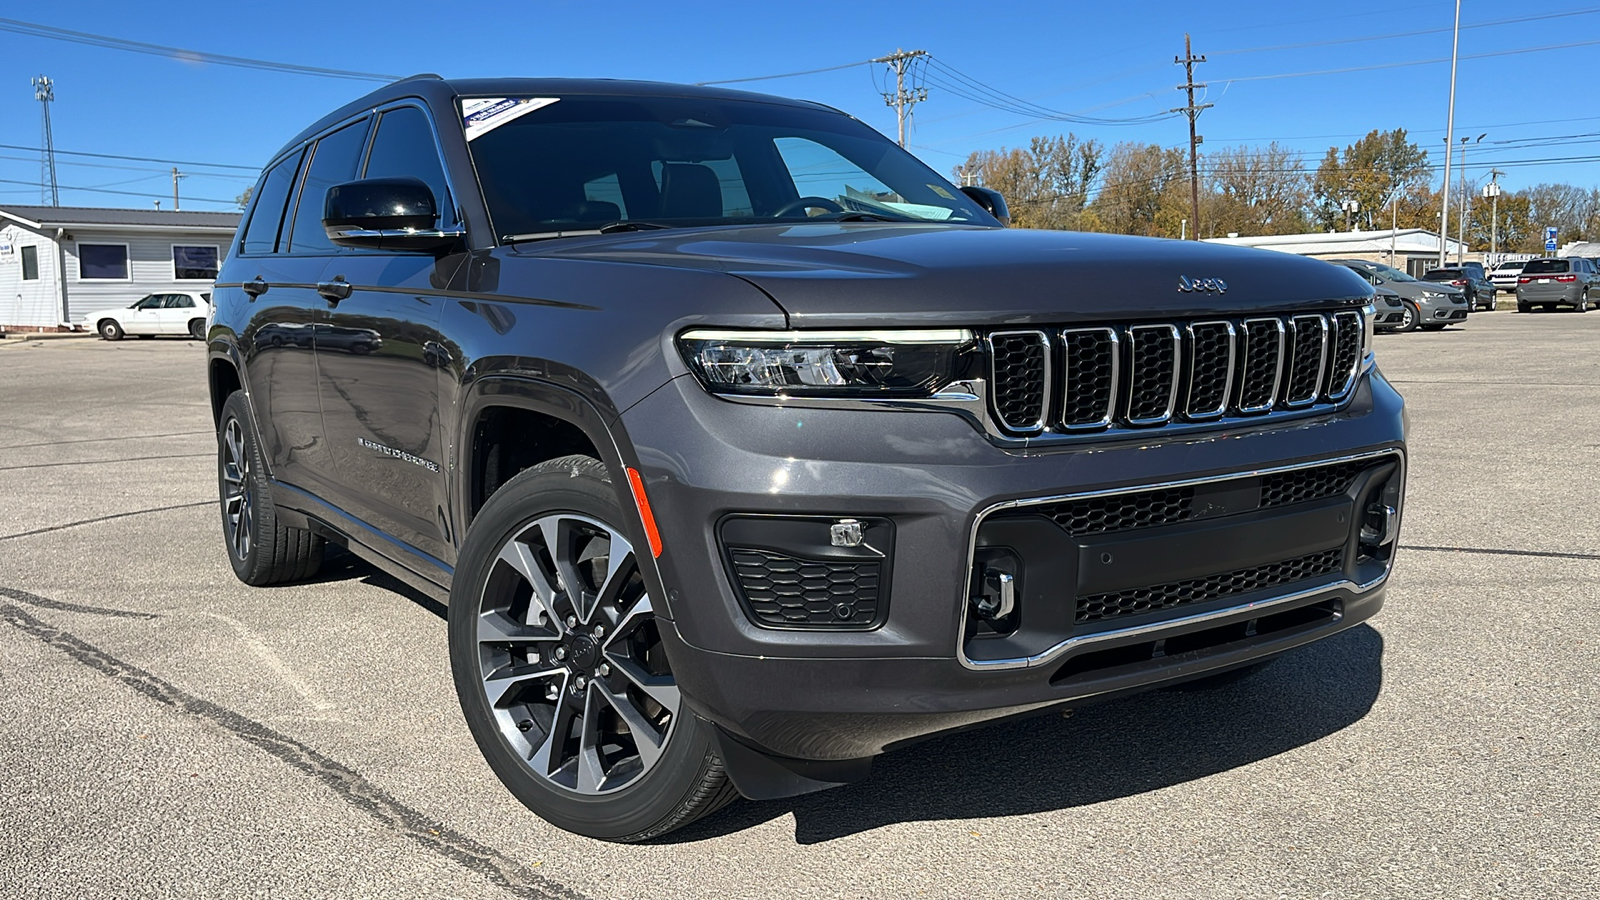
[(1151, 374), (1308, 360), (1091, 357), (1020, 361), (1344, 361), (1210, 385), (1153, 368)]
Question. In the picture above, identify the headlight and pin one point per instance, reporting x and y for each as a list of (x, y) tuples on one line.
[(826, 363)]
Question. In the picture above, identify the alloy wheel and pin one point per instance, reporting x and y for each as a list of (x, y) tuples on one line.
[(570, 659), (238, 499)]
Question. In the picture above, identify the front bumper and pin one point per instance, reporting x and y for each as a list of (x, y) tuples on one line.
[(820, 694)]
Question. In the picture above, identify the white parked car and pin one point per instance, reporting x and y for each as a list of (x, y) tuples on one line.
[(172, 312)]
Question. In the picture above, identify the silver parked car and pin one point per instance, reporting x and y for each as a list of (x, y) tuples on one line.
[(1427, 305), (1550, 283)]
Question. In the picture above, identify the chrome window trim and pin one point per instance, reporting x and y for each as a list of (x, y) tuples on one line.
[(1322, 359), (1064, 647), (1133, 373), (1227, 385), (994, 378), (1114, 342), (1350, 376), (1277, 376)]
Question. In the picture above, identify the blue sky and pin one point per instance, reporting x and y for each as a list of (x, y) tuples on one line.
[(1103, 60)]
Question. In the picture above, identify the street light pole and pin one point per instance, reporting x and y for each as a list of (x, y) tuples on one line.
[(1449, 139), (1492, 191), (1461, 227)]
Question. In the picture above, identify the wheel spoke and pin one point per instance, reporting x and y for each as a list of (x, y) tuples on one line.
[(520, 556), (646, 739), (495, 627), (618, 566), (502, 681), (546, 757), (660, 688), (560, 537), (591, 773)]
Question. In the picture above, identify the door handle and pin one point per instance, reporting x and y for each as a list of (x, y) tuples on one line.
[(255, 288), (334, 290)]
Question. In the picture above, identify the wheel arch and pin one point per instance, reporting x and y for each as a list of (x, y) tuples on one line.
[(510, 423)]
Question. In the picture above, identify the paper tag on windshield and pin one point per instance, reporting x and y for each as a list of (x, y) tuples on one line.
[(482, 115)]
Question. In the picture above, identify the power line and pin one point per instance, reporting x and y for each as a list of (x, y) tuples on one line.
[(1414, 62), (50, 32), (123, 193), (864, 62), (1405, 34), (903, 99), (179, 162), (969, 88)]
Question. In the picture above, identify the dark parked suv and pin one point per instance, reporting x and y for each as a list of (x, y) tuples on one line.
[(745, 447)]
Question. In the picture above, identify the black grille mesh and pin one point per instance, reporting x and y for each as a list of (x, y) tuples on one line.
[(1152, 369), (783, 590), (1301, 485), (1019, 379), (1208, 367), (1090, 360), (1305, 359), (1344, 350), (1120, 512), (1258, 382), (1099, 607)]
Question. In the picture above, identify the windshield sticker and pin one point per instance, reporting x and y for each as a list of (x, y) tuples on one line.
[(481, 115), (941, 191)]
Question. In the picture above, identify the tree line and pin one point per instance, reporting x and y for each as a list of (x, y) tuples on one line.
[(1066, 182)]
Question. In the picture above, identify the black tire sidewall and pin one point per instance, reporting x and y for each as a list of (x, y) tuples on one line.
[(639, 808), (1414, 318), (109, 330)]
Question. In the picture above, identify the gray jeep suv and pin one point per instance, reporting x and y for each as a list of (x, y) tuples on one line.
[(744, 447)]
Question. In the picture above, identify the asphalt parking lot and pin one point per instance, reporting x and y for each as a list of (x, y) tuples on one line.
[(168, 732)]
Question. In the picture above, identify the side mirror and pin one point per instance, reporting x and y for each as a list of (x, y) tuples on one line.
[(1377, 279), (386, 214), (991, 201)]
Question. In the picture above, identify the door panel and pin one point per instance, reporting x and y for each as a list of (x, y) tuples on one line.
[(379, 352), (281, 370)]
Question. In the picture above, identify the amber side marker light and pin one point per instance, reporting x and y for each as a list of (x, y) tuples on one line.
[(650, 532)]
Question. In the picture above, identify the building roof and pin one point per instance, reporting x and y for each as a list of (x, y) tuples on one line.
[(1404, 240), (107, 218)]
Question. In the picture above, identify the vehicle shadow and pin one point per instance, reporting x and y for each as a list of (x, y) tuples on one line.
[(1098, 753), (339, 564)]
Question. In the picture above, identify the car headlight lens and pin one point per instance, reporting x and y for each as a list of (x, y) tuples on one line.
[(826, 363)]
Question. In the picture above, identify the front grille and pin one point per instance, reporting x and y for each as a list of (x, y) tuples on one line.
[(1120, 512), (1099, 607), (1147, 375), (1300, 485), (785, 591)]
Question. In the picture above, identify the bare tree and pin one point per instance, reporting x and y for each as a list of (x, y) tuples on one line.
[(1256, 191), (1143, 190), (1046, 185)]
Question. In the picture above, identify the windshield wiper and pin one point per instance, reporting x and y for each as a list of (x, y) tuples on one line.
[(859, 215), (631, 225), (545, 235)]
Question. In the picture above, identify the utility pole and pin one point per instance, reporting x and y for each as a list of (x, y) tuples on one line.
[(1492, 191), (44, 91), (1193, 112), (903, 99), (1449, 141), (1461, 216), (175, 176)]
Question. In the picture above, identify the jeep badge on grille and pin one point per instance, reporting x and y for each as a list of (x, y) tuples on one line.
[(1187, 284)]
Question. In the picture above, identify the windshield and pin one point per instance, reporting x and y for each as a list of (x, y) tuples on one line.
[(564, 164)]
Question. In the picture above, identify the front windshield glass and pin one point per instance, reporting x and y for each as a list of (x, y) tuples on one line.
[(1389, 273), (580, 163)]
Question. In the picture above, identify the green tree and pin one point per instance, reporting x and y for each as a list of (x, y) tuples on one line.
[(1046, 185), (1369, 171), (244, 199)]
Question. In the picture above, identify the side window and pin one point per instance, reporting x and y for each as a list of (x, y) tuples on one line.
[(404, 146), (818, 171), (153, 301), (261, 235), (180, 301), (333, 161), (606, 189)]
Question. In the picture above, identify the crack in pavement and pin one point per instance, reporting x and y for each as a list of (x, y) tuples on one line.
[(123, 515), (101, 462), (47, 603), (354, 789), (1551, 554), (134, 437)]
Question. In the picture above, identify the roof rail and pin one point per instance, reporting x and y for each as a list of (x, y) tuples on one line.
[(419, 77)]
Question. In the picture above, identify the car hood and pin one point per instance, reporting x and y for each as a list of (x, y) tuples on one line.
[(842, 274)]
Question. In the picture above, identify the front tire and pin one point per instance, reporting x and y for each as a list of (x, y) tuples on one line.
[(262, 549), (109, 330), (1412, 318), (560, 669)]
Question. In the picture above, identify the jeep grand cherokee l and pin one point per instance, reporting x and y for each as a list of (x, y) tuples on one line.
[(745, 447)]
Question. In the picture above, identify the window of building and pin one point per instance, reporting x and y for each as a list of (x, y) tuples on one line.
[(261, 235), (333, 162), (191, 262), (103, 262), (30, 263)]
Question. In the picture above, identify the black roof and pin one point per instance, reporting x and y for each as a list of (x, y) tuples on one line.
[(439, 92), (94, 215)]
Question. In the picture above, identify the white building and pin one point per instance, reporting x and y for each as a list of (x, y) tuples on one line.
[(59, 262), (1414, 250)]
